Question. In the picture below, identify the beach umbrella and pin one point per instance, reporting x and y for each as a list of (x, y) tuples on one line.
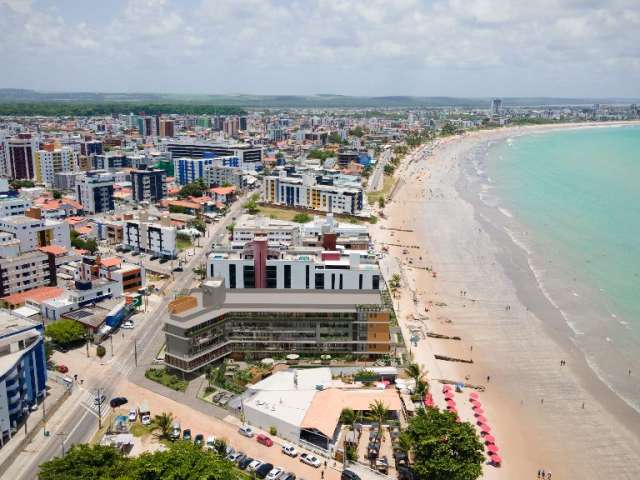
[(480, 420), (492, 449), (448, 396), (485, 428), (474, 395), (446, 388), (489, 438), (496, 459), (478, 411), (452, 409), (476, 404)]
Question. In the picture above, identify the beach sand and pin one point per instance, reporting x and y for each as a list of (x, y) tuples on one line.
[(506, 324)]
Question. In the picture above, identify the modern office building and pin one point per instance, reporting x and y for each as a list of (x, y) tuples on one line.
[(94, 190), (231, 126), (91, 147), (20, 156), (23, 370), (218, 175), (313, 192), (51, 162), (110, 161), (167, 127), (297, 268), (250, 157), (212, 323), (496, 106), (66, 180), (25, 272), (156, 238), (10, 206), (188, 170), (148, 185), (34, 232)]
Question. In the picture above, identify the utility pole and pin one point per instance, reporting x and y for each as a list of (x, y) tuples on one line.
[(135, 350), (111, 343), (99, 397), (86, 337)]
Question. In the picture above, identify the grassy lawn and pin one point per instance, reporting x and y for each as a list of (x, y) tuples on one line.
[(183, 244), (388, 182), (139, 430), (288, 215), (161, 376)]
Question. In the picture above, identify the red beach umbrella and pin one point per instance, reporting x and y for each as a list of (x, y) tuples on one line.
[(475, 403), (480, 420), (496, 459), (492, 449), (485, 428), (476, 406), (446, 388), (450, 400), (478, 411), (474, 395), (452, 409), (489, 438)]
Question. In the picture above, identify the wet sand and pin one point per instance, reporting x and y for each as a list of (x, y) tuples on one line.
[(507, 326)]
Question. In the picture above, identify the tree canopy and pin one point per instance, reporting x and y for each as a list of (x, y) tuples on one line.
[(193, 189), (88, 109), (182, 460), (65, 331), (357, 132), (444, 449), (320, 154), (89, 244)]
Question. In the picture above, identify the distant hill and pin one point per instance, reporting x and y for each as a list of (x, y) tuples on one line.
[(325, 100)]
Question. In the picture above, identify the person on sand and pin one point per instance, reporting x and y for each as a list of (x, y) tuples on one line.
[(488, 378)]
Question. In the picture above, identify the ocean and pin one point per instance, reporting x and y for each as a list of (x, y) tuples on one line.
[(571, 200)]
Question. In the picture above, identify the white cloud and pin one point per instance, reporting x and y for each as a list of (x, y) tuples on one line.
[(303, 45)]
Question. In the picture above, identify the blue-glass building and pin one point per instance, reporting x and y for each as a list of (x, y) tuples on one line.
[(23, 370)]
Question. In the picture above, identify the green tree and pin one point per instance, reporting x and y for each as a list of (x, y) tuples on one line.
[(65, 331), (48, 350), (164, 422), (57, 194), (91, 245), (347, 417), (220, 446), (86, 462), (201, 271), (417, 373), (378, 411), (302, 217), (320, 154), (381, 202), (177, 209), (101, 351), (448, 129), (357, 132), (198, 224), (193, 189), (16, 184), (442, 448), (251, 206), (389, 169), (334, 137)]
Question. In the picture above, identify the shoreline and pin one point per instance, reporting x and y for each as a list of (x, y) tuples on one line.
[(533, 405)]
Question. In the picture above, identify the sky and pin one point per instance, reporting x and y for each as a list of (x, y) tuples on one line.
[(465, 48)]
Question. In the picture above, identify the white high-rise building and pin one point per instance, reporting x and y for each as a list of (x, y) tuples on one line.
[(48, 163), (94, 190)]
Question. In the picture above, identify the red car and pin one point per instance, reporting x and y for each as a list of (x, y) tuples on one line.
[(264, 440), (62, 368)]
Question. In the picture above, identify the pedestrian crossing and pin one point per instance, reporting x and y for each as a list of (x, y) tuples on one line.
[(88, 402)]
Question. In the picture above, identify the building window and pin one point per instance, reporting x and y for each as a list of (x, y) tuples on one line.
[(319, 281), (307, 269), (287, 276), (249, 276), (272, 276), (333, 281), (232, 275), (360, 282), (376, 282), (340, 281)]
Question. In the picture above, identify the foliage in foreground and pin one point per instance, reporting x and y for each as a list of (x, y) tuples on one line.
[(167, 379), (65, 331), (444, 449), (182, 460)]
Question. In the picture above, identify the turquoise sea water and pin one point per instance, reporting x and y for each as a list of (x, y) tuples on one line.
[(574, 198)]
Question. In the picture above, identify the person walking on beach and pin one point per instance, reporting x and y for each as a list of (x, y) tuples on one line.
[(539, 473), (488, 378)]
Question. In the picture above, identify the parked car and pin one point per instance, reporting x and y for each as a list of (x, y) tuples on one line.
[(290, 450), (175, 431), (264, 440), (62, 368), (128, 325), (254, 465), (245, 462), (263, 470), (288, 476), (116, 402), (164, 260), (186, 434), (211, 442), (232, 457), (199, 439), (246, 430), (310, 459), (275, 473), (178, 269), (240, 456), (145, 419), (349, 475), (133, 414)]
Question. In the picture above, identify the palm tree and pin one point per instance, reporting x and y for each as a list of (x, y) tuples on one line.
[(164, 422), (417, 373), (348, 417), (404, 443), (379, 411)]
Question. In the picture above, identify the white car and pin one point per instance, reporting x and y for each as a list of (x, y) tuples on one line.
[(211, 442), (128, 325), (133, 415), (146, 419), (275, 473), (253, 466), (309, 459), (246, 430), (290, 450)]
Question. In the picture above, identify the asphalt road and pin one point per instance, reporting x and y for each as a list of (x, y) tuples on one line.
[(375, 183), (80, 427)]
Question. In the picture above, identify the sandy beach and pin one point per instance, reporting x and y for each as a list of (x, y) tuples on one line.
[(542, 415)]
